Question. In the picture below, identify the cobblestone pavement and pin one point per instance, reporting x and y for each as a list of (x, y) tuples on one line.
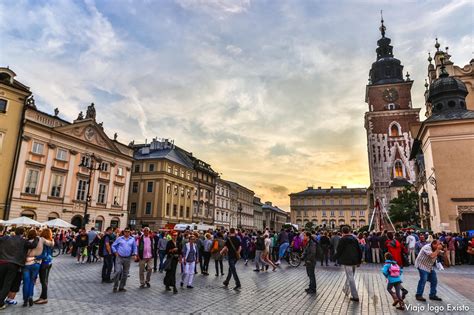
[(76, 289)]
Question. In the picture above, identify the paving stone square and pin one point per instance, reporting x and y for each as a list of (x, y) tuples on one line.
[(77, 289)]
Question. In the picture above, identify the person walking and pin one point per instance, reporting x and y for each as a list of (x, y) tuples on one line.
[(217, 247), (172, 257), (284, 242), (124, 249), (392, 271), (91, 236), (105, 250), (13, 251), (207, 253), (259, 248), (146, 253), (424, 263), (232, 248), (411, 244), (266, 254), (394, 248), (190, 257), (334, 243), (162, 242), (325, 244), (310, 259), (45, 266), (349, 255), (374, 243)]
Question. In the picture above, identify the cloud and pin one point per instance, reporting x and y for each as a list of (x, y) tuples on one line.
[(271, 94)]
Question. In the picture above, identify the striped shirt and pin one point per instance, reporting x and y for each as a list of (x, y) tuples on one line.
[(424, 260)]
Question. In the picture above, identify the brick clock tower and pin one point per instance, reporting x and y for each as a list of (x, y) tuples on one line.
[(387, 122)]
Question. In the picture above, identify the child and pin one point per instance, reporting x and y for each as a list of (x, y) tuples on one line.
[(392, 271)]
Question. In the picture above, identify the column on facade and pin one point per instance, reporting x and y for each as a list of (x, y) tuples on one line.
[(125, 190), (68, 191), (46, 178), (18, 179)]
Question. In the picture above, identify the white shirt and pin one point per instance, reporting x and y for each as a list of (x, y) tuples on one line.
[(411, 241)]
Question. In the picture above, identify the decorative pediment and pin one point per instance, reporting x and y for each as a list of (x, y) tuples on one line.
[(89, 131)]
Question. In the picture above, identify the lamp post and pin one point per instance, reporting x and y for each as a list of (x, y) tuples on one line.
[(426, 209), (239, 208), (89, 161)]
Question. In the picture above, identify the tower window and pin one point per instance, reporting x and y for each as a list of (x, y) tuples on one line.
[(394, 130), (439, 107), (451, 104), (398, 169)]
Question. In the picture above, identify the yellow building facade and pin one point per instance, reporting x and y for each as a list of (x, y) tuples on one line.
[(13, 96), (330, 207), (50, 181)]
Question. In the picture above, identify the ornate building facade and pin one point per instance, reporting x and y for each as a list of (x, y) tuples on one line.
[(241, 206), (273, 217), (53, 179), (162, 185), (444, 147), (13, 97), (387, 123), (330, 207), (257, 213)]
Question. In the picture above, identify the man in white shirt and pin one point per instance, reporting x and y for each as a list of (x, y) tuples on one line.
[(411, 243)]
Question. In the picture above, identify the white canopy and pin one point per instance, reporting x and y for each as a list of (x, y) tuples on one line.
[(22, 221), (1, 221), (58, 223)]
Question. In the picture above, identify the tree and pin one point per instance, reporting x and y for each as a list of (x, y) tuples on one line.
[(404, 208), (308, 226)]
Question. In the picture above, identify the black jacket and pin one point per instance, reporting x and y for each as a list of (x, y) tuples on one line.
[(348, 251), (310, 254), (13, 249), (141, 246)]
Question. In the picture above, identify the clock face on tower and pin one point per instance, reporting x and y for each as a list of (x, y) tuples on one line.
[(390, 95), (89, 134)]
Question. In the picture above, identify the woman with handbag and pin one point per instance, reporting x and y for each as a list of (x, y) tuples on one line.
[(217, 246), (172, 258)]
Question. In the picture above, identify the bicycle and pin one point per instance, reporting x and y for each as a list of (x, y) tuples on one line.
[(56, 250), (293, 257)]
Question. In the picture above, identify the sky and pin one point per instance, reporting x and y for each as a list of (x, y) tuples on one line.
[(269, 92)]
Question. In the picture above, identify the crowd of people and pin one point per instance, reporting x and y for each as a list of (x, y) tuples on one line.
[(27, 255)]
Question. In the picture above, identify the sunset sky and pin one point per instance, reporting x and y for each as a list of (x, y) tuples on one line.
[(270, 93)]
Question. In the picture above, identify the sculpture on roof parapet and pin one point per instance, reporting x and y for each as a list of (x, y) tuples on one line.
[(91, 111)]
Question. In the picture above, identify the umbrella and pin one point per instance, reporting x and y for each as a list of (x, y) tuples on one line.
[(58, 223), (1, 222), (22, 221)]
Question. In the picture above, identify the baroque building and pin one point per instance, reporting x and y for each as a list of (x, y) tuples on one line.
[(330, 207), (54, 177), (444, 146), (257, 213), (387, 123), (13, 98), (241, 206)]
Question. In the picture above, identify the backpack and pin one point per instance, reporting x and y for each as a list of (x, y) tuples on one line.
[(215, 246), (394, 270), (260, 243)]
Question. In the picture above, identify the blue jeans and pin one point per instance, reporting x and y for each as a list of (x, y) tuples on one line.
[(30, 273), (427, 276), (283, 248), (162, 254)]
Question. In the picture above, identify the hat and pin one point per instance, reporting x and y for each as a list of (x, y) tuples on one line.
[(174, 233)]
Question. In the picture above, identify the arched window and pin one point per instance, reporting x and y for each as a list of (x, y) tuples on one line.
[(451, 104), (398, 169), (29, 214), (52, 216), (395, 130)]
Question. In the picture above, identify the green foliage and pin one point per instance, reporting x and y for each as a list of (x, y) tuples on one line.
[(404, 208), (308, 226)]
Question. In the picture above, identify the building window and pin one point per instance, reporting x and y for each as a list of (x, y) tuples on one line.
[(323, 202), (187, 212), (188, 192), (341, 213), (168, 188), (101, 197), (169, 169), (167, 209), (56, 185), (352, 201), (188, 176), (85, 161), (81, 190), (175, 190), (117, 195), (175, 210), (114, 223), (149, 187), (182, 191), (134, 187), (395, 130), (3, 106), (182, 174), (181, 211), (133, 208), (362, 212), (176, 171), (104, 167), (340, 201), (148, 208), (137, 168), (119, 171), (332, 213), (61, 154), (37, 148), (151, 167), (331, 202), (398, 169), (353, 213), (324, 213)]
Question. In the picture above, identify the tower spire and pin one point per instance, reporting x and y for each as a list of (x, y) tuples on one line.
[(382, 27)]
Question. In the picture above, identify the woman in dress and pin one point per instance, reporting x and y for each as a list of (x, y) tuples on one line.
[(172, 257)]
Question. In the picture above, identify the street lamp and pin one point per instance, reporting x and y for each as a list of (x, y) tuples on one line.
[(89, 161), (424, 198), (239, 208)]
